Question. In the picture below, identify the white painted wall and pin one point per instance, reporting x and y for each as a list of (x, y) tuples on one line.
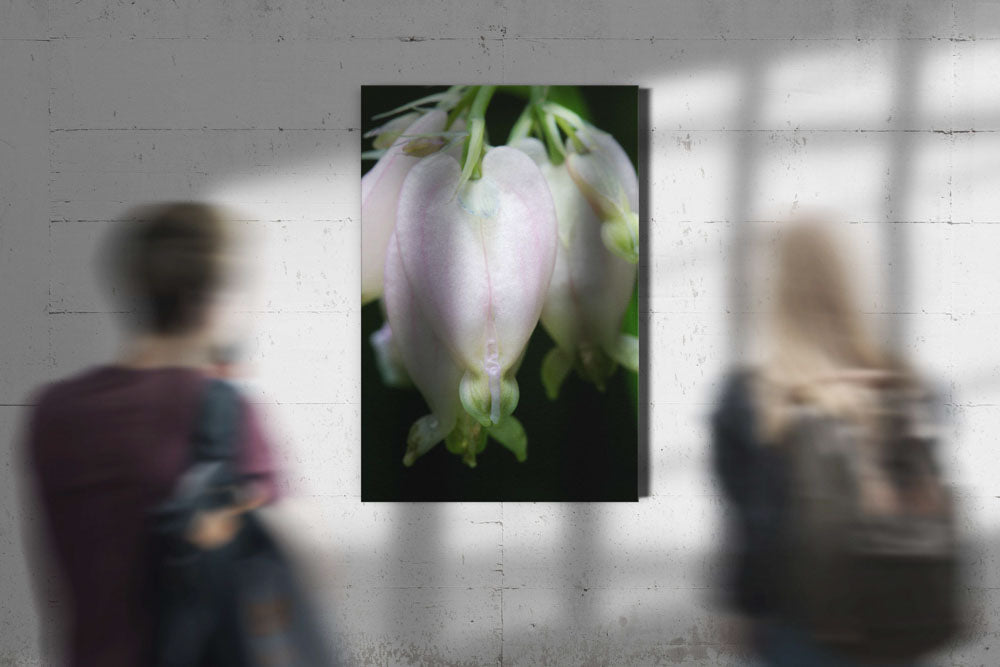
[(887, 111)]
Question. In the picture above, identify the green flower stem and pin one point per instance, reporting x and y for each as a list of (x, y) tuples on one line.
[(436, 97), (550, 133), (522, 126), (526, 121), (473, 153), (569, 116), (463, 103), (571, 133), (451, 97), (482, 100)]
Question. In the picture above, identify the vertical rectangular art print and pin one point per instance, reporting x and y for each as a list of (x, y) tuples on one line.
[(500, 244)]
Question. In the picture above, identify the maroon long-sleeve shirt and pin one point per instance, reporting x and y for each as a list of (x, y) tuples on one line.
[(105, 447)]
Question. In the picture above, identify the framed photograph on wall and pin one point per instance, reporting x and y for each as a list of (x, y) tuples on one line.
[(500, 256)]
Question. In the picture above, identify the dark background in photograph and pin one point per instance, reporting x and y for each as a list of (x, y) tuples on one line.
[(582, 446)]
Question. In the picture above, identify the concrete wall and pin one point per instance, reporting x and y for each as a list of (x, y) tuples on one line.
[(886, 111)]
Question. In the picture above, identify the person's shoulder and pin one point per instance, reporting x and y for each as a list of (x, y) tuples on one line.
[(734, 403), (737, 385), (56, 392), (50, 403), (44, 395)]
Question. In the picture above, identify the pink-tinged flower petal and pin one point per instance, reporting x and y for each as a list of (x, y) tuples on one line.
[(590, 287), (607, 179), (379, 196), (479, 262), (427, 360), (596, 283), (603, 143)]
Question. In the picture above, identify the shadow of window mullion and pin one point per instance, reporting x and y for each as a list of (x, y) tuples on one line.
[(746, 163), (896, 236)]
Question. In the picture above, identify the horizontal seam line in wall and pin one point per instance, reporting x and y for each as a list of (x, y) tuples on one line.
[(532, 588), (849, 222), (241, 312), (653, 129), (821, 130), (204, 128), (971, 405), (488, 37), (118, 172), (251, 401), (956, 316), (69, 221)]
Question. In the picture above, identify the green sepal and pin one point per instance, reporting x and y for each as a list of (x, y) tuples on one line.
[(467, 439), (511, 434), (621, 236), (555, 367), (625, 351), (424, 434), (594, 365)]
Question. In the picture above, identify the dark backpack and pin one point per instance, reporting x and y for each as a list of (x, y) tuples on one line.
[(871, 568), (238, 605)]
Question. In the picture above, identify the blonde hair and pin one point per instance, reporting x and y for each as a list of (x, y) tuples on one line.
[(819, 338)]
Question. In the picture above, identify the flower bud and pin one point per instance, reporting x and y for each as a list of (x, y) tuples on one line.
[(608, 181), (386, 135)]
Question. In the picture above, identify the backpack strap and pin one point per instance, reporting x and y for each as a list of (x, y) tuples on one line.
[(211, 479), (216, 431)]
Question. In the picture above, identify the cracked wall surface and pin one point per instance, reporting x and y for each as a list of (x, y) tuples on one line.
[(887, 112)]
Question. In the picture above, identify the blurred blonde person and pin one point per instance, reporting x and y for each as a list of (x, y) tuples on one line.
[(819, 353)]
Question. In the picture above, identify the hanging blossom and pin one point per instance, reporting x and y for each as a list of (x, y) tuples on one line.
[(415, 145), (591, 287), (465, 284), (470, 247), (380, 192), (380, 188), (606, 178)]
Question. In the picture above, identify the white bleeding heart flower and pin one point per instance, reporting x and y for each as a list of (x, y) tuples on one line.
[(476, 261), (607, 179), (379, 197), (437, 376), (590, 288)]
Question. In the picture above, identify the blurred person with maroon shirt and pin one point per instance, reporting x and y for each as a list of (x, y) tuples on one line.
[(108, 445)]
